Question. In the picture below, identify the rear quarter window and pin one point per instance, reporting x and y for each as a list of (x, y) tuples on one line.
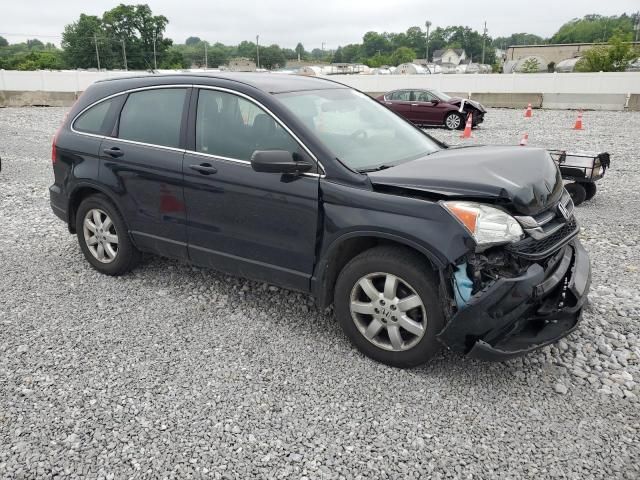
[(96, 119)]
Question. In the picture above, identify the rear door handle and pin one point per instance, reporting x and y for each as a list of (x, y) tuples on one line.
[(114, 152), (204, 168)]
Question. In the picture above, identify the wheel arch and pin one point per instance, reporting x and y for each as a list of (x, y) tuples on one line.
[(346, 247), (78, 194)]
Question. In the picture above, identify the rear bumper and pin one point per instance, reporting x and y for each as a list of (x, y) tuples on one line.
[(58, 203), (515, 316)]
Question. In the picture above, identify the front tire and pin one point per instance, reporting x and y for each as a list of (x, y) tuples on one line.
[(103, 236), (454, 121), (386, 301), (591, 189), (577, 192)]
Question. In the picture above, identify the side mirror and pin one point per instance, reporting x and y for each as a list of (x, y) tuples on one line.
[(435, 101), (278, 161)]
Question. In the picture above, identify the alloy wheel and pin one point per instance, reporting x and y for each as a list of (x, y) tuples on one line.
[(388, 312), (100, 235), (453, 122)]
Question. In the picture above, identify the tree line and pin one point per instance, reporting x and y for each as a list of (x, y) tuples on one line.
[(132, 37)]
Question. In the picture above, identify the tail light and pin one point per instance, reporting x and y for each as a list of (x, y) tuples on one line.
[(54, 150)]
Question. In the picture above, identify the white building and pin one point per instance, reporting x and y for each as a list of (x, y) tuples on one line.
[(449, 55)]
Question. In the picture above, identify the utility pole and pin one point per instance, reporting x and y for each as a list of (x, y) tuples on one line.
[(206, 59), (258, 51), (484, 38), (155, 63), (637, 26), (426, 53), (124, 55), (95, 40)]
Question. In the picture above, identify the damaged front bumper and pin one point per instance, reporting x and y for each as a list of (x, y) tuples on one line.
[(514, 316)]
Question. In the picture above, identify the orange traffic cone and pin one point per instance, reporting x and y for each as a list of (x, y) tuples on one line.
[(525, 140), (528, 112), (578, 125), (467, 128)]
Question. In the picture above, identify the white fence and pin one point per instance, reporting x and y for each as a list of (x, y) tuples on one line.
[(581, 83), (53, 81), (596, 83)]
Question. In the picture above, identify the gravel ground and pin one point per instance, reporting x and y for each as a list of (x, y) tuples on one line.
[(174, 371)]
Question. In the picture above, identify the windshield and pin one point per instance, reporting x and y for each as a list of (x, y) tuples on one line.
[(442, 96), (359, 131)]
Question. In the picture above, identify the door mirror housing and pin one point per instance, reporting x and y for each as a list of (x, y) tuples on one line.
[(278, 161), (435, 101)]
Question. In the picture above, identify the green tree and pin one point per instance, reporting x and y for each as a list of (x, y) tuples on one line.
[(402, 55), (173, 58), (317, 54), (594, 28), (138, 28), (300, 52), (272, 57), (3, 42), (338, 57), (375, 43), (290, 54), (77, 41), (517, 39), (614, 57), (378, 60), (246, 49), (192, 41), (133, 26), (531, 65), (217, 56), (417, 40), (35, 44)]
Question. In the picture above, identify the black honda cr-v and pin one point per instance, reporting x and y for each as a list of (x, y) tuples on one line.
[(311, 185)]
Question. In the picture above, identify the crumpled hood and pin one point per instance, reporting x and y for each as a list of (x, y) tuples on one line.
[(526, 178), (457, 100)]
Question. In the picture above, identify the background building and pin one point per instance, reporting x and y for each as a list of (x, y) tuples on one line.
[(551, 53)]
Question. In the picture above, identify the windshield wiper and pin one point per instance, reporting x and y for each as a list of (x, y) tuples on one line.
[(375, 169)]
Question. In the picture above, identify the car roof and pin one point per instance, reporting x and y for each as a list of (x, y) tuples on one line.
[(267, 82)]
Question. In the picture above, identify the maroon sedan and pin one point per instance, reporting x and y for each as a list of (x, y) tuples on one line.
[(431, 107)]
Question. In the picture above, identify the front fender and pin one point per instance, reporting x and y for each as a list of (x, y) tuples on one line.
[(421, 224)]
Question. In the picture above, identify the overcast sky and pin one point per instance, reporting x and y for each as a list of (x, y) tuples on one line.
[(286, 22)]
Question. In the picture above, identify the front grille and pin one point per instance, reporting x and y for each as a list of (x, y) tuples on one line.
[(533, 249)]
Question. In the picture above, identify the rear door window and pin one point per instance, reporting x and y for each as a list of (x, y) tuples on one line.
[(401, 95), (96, 119), (153, 116)]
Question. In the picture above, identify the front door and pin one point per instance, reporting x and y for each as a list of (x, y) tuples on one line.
[(248, 223), (427, 109), (142, 166)]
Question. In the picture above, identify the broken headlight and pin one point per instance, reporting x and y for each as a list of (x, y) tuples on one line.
[(488, 225)]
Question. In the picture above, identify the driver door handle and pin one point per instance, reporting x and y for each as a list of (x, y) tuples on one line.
[(204, 168), (114, 152)]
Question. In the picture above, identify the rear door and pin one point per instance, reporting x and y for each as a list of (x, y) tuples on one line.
[(142, 165), (248, 223), (400, 102)]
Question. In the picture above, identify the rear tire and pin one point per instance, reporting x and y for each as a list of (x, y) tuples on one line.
[(405, 314), (577, 192), (104, 237), (454, 121), (591, 189)]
